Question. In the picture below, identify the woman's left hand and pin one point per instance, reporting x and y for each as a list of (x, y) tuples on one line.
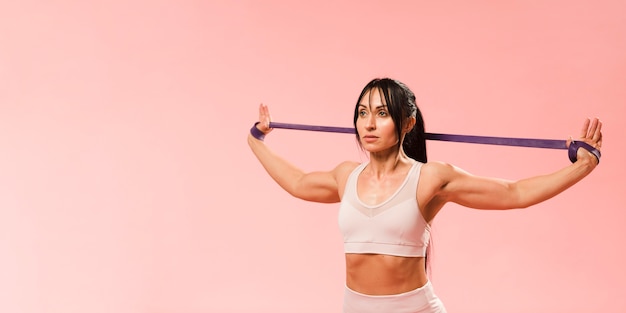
[(591, 133)]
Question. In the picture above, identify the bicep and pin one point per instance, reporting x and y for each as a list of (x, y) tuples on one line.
[(317, 187), (324, 187), (478, 192)]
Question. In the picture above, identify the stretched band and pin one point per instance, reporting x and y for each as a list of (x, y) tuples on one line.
[(501, 141), (256, 133), (575, 145)]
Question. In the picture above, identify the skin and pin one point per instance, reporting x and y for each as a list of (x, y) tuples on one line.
[(440, 183)]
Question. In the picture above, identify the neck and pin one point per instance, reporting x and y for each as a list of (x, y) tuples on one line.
[(383, 164)]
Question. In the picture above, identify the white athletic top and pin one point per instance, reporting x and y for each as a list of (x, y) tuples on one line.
[(393, 227)]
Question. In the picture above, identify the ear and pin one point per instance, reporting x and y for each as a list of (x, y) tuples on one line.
[(409, 124)]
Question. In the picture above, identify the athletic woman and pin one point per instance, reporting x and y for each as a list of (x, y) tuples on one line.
[(388, 203)]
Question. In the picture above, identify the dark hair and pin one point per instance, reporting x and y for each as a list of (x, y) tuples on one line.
[(401, 104)]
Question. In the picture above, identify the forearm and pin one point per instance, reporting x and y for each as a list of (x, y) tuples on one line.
[(283, 172), (540, 188)]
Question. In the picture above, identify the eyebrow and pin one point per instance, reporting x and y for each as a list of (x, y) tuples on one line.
[(378, 107)]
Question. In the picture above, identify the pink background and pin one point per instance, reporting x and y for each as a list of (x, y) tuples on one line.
[(126, 184)]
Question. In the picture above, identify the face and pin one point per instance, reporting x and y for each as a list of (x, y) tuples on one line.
[(374, 124)]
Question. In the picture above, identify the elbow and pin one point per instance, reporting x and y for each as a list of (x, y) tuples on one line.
[(518, 198)]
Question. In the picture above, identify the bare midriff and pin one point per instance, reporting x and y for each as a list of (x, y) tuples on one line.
[(378, 274)]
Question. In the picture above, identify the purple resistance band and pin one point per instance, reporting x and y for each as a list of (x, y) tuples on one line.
[(501, 141)]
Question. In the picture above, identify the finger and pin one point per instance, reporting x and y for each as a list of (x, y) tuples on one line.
[(266, 111), (267, 118), (261, 123), (260, 111), (585, 129), (593, 125), (597, 133), (264, 118)]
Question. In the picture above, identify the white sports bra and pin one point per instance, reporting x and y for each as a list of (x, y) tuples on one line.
[(393, 227)]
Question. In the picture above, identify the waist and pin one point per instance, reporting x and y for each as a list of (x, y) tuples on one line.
[(422, 299), (379, 274)]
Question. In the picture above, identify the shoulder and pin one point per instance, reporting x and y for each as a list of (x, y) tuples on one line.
[(437, 169), (440, 173), (342, 172), (435, 178), (345, 168)]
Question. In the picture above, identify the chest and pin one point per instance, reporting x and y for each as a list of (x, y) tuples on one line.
[(374, 191)]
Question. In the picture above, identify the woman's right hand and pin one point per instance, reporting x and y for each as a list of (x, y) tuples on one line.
[(264, 119)]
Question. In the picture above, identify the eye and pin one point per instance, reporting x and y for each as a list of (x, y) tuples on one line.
[(382, 113), (362, 113)]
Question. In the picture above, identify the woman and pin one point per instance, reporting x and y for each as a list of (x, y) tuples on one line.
[(386, 253)]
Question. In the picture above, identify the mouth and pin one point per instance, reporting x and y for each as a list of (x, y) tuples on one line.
[(369, 138)]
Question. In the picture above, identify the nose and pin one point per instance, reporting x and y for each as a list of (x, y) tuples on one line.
[(371, 122)]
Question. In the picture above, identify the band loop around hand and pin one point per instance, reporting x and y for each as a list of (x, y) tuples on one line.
[(575, 145), (256, 133)]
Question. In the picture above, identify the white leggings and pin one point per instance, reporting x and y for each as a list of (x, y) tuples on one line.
[(420, 300)]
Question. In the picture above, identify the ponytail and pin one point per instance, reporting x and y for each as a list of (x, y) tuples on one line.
[(414, 144)]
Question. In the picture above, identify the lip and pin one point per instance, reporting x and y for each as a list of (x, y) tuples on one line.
[(369, 138)]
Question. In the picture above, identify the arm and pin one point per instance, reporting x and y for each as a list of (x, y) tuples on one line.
[(314, 186), (477, 192)]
